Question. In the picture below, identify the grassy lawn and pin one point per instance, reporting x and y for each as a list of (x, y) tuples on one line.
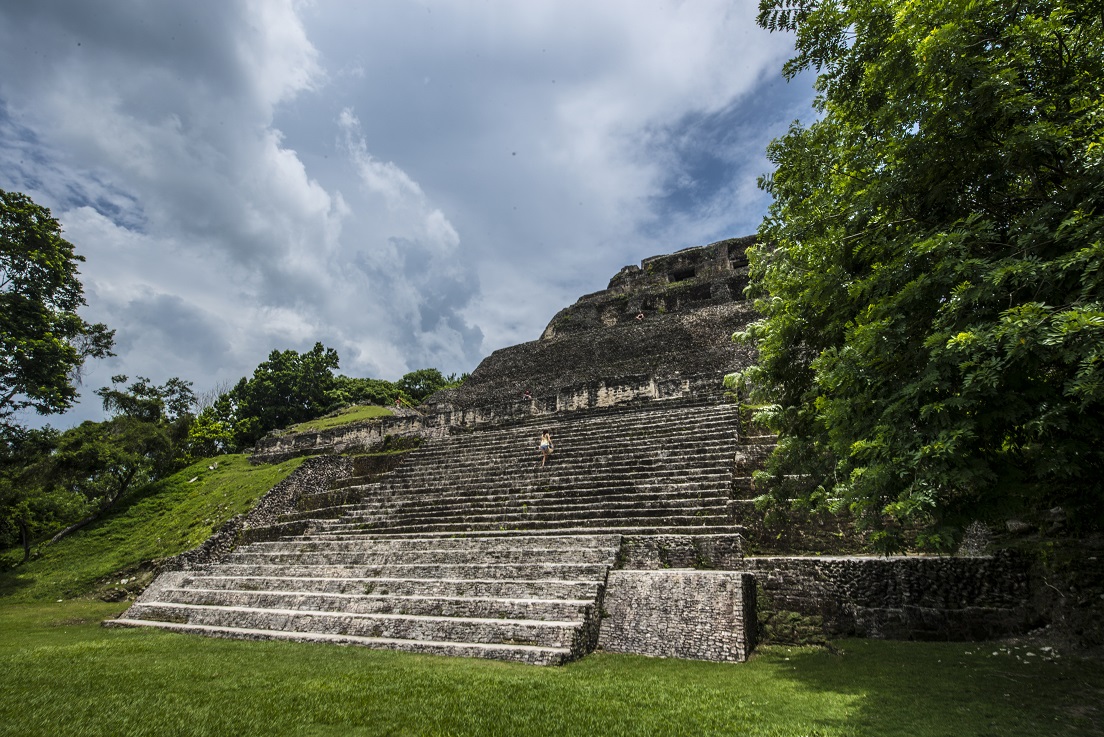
[(358, 413), (66, 675), (164, 519)]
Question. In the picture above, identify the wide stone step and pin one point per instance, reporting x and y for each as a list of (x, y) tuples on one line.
[(596, 427), (611, 440), (598, 489), (493, 514), (543, 496), (524, 500), (391, 626), (546, 483), (533, 655), (623, 457), (553, 493), (538, 509), (518, 542), (638, 417), (529, 472), (556, 571), (538, 497), (384, 586), (534, 475), (614, 442), (716, 529), (531, 525), (417, 557), (422, 605)]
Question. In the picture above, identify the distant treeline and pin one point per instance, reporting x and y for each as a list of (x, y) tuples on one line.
[(55, 482)]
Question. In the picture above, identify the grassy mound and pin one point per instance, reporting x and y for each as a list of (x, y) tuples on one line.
[(347, 416), (161, 520)]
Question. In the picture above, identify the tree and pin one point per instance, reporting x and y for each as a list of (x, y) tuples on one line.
[(349, 390), (30, 508), (102, 461), (418, 385), (931, 270), (210, 435), (43, 342), (145, 440), (169, 405), (289, 387), (146, 401)]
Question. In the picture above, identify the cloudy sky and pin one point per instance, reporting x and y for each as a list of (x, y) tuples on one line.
[(413, 183)]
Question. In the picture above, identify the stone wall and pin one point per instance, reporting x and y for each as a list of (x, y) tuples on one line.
[(660, 349), (442, 419), (698, 615), (902, 598), (593, 354), (690, 303), (701, 552), (359, 436), (678, 282)]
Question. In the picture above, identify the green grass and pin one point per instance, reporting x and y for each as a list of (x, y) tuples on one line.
[(347, 416), (65, 675), (164, 519)]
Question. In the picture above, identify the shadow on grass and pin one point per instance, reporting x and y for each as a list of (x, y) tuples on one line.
[(25, 575), (71, 677), (915, 689), (13, 580)]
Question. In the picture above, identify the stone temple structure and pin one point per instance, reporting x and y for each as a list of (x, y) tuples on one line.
[(631, 539)]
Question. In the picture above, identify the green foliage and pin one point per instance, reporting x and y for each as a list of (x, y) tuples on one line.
[(289, 387), (930, 272), (101, 461), (155, 521), (43, 342), (169, 406), (296, 388), (149, 402), (61, 482), (29, 508), (417, 385), (349, 390), (209, 435)]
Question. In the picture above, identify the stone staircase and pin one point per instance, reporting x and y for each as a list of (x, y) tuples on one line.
[(469, 548), (525, 599), (662, 470)]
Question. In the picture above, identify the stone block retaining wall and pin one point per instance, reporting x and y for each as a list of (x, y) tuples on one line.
[(699, 615), (905, 598), (658, 552)]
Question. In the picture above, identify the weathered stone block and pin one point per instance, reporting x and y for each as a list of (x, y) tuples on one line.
[(698, 615)]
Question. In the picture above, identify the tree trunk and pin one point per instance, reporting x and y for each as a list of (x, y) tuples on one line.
[(95, 515), (25, 534), (76, 526)]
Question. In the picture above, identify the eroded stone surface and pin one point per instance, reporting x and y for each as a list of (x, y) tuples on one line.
[(697, 615)]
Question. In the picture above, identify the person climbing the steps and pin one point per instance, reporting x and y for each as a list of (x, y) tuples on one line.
[(546, 447)]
